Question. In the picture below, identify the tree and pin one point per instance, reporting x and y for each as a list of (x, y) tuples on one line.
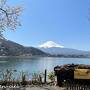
[(9, 17)]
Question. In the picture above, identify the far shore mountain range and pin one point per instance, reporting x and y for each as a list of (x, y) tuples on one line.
[(48, 49)]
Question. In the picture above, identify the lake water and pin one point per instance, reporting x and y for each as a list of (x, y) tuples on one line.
[(38, 64)]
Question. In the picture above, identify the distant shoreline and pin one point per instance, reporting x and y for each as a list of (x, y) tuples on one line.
[(38, 56)]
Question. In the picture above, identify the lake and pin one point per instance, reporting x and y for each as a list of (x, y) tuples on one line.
[(38, 64)]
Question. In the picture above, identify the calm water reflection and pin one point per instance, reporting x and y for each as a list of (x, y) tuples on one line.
[(38, 64)]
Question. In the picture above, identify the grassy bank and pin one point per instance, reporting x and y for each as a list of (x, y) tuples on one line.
[(8, 78)]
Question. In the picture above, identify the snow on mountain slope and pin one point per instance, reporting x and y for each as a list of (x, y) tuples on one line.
[(50, 44), (56, 49)]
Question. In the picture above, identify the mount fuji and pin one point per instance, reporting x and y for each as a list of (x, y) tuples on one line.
[(55, 49), (50, 44)]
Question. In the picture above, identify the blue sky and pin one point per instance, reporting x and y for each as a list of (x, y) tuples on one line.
[(63, 21)]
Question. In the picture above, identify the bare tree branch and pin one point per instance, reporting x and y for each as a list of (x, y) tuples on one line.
[(9, 17)]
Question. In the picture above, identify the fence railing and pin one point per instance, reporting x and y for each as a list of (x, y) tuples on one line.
[(77, 87)]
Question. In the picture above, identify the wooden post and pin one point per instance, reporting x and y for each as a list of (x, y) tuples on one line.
[(45, 77)]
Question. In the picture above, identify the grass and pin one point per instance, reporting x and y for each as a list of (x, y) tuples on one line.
[(7, 78)]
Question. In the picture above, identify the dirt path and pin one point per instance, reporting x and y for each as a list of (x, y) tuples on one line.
[(45, 88), (35, 88)]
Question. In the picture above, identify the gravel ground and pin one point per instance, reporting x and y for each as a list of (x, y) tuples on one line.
[(35, 88), (44, 88)]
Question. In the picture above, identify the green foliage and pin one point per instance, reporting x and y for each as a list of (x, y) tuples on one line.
[(51, 76)]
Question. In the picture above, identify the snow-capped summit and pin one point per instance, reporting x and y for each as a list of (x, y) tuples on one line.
[(50, 44), (53, 48)]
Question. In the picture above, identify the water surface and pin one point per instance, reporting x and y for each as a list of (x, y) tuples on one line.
[(38, 64)]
